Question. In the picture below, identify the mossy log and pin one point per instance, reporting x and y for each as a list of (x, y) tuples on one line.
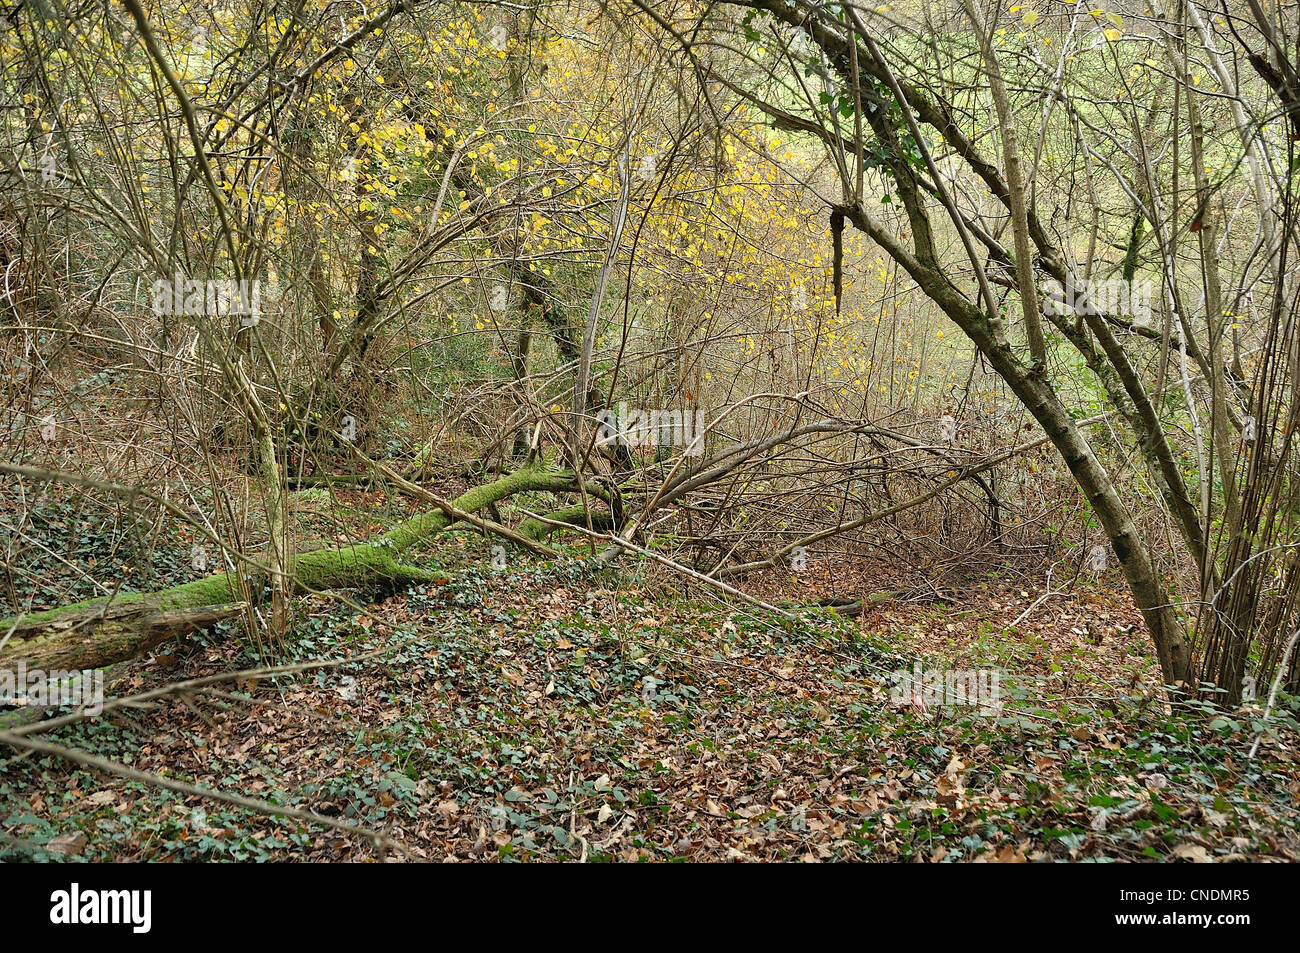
[(850, 608), (121, 630), (102, 631), (576, 515)]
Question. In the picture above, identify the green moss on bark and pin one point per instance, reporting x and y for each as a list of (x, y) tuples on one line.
[(368, 565)]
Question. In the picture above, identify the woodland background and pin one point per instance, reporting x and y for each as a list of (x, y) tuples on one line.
[(366, 582)]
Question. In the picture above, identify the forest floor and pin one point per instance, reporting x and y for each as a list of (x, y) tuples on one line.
[(534, 710)]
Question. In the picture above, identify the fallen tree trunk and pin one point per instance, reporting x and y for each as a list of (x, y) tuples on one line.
[(852, 608), (536, 528), (120, 631), (99, 632)]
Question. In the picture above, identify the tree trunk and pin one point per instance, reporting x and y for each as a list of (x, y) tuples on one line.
[(102, 631)]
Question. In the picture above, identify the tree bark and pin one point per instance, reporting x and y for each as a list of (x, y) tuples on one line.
[(99, 632)]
